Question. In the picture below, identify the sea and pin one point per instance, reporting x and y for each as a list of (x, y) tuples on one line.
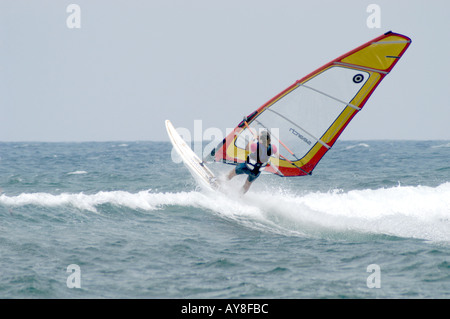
[(126, 220)]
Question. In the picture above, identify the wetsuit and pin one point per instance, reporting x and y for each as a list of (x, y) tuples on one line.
[(256, 160)]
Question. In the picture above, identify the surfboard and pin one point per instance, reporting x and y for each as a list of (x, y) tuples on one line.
[(196, 166)]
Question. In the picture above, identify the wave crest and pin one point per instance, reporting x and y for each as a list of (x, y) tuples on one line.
[(421, 212)]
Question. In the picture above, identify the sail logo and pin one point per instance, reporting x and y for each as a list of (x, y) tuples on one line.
[(300, 136), (358, 78)]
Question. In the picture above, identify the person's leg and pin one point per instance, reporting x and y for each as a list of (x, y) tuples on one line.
[(250, 179), (238, 170), (246, 186), (231, 174)]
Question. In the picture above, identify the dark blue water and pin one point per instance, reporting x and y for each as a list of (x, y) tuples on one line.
[(137, 225)]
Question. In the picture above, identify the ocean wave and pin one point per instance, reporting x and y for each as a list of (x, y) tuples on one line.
[(420, 212), (77, 173), (364, 145), (142, 200), (405, 211), (446, 145)]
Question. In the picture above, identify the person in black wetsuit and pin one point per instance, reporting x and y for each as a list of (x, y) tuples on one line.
[(258, 158)]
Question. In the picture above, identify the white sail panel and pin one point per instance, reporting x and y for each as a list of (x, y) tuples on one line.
[(305, 113)]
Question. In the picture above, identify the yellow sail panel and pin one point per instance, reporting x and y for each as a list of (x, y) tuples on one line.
[(338, 125), (350, 111), (380, 54)]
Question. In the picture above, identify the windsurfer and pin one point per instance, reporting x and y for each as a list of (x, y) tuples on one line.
[(258, 158)]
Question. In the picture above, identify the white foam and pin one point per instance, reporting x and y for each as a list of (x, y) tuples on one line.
[(77, 173), (141, 200), (441, 145), (405, 211), (357, 145)]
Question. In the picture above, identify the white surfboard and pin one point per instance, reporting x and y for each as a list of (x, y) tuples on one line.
[(195, 165)]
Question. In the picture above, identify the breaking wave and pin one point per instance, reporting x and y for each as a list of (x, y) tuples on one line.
[(420, 212)]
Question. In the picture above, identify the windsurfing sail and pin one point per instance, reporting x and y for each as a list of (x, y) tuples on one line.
[(306, 119)]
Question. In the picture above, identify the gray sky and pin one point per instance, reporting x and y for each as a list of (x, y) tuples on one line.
[(133, 64)]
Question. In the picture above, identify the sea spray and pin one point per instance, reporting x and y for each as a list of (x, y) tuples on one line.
[(405, 211)]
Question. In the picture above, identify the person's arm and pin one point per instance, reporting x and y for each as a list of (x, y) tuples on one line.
[(253, 147), (274, 150)]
